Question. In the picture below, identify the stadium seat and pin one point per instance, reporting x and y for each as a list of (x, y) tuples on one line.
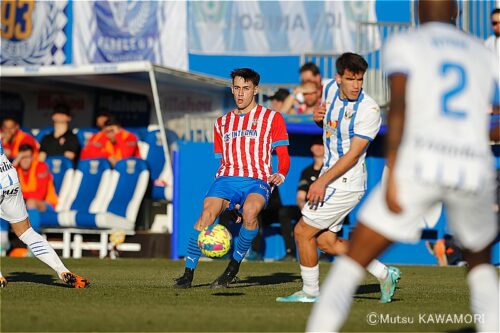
[(122, 197), (84, 134), (40, 133), (140, 132), (89, 180), (61, 168)]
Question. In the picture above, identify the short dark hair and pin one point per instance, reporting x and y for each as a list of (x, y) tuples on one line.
[(26, 147), (62, 108), (352, 62), (103, 112), (495, 11), (4, 119), (310, 66), (112, 121), (247, 74)]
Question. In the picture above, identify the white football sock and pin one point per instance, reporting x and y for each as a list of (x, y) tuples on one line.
[(330, 313), (42, 250), (378, 269), (483, 286), (310, 280)]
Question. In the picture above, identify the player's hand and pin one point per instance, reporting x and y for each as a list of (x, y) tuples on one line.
[(391, 195), (276, 179), (319, 112), (316, 194)]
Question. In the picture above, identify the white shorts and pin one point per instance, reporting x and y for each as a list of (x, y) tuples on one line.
[(470, 216), (12, 206), (331, 214)]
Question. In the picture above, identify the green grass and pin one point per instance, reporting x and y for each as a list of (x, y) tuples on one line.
[(135, 295)]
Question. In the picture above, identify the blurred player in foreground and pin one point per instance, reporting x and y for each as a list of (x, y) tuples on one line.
[(244, 140), (443, 83), (13, 209)]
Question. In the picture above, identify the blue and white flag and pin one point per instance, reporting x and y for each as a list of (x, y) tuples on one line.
[(276, 27), (114, 31), (33, 32)]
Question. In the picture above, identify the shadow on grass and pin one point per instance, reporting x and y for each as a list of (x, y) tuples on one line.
[(275, 278), (370, 289), (228, 294), (35, 278)]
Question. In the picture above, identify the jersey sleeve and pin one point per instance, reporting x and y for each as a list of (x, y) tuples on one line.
[(396, 55), (368, 122), (217, 140), (279, 135)]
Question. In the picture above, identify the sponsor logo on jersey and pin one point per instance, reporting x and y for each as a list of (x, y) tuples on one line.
[(251, 133), (5, 166), (331, 128), (12, 191)]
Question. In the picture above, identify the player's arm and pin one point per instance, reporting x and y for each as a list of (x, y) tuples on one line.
[(395, 124), (279, 136), (316, 192)]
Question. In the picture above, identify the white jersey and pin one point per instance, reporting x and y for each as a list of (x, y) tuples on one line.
[(344, 120), (8, 174), (452, 80)]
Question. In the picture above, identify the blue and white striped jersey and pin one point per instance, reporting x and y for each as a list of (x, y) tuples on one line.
[(8, 175), (344, 120), (452, 82)]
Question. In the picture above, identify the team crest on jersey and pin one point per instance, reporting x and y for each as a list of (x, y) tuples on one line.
[(349, 113), (331, 128), (29, 30)]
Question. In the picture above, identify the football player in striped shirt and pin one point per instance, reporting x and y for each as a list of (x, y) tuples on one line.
[(350, 122), (244, 139), (13, 210), (444, 83)]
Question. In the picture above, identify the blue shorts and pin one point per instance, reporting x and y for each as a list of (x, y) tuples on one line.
[(236, 189)]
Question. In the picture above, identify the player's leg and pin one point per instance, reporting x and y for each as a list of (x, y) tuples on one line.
[(377, 228), (329, 243), (3, 281), (14, 211), (287, 214), (252, 206), (473, 224), (212, 208)]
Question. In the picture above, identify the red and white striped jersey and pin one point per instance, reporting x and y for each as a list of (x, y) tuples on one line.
[(245, 142)]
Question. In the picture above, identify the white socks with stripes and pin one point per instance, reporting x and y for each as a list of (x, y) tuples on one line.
[(43, 251)]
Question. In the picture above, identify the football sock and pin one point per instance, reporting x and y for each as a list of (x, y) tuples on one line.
[(193, 251), (330, 313), (378, 269), (42, 250), (310, 280), (244, 242), (483, 286)]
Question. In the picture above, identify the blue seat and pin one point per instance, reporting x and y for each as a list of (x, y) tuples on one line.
[(42, 132), (155, 158), (61, 168), (83, 134), (90, 178), (122, 197)]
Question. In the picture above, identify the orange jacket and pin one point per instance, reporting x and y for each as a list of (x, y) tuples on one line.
[(99, 146), (19, 139), (37, 183)]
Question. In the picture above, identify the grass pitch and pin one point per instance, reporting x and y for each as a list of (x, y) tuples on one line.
[(135, 295)]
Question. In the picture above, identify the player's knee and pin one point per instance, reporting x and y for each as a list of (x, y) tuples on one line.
[(206, 218), (250, 212)]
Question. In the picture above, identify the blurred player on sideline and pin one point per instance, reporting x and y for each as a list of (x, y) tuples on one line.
[(443, 83), (244, 140), (350, 122), (13, 210)]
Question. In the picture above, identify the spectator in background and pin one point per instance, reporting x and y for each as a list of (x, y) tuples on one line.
[(112, 142), (493, 42), (304, 100), (13, 137), (102, 117), (36, 182), (310, 72), (278, 98), (62, 141)]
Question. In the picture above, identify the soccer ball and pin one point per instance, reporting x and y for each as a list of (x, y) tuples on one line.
[(214, 241)]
